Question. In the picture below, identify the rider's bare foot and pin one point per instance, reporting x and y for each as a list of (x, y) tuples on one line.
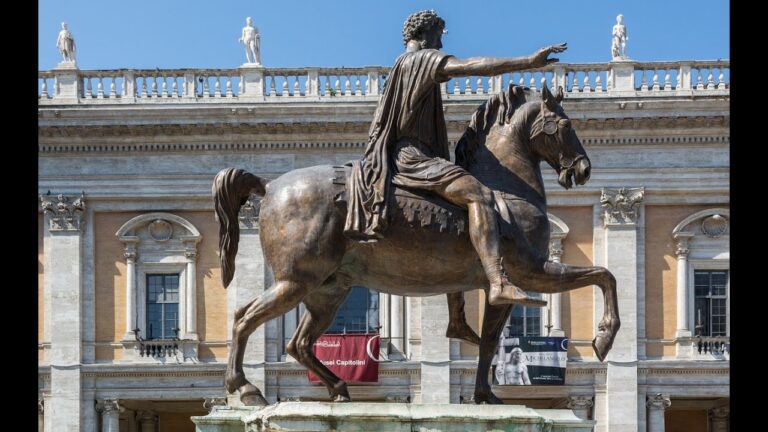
[(507, 293)]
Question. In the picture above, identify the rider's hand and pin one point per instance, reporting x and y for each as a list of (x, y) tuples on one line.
[(540, 57)]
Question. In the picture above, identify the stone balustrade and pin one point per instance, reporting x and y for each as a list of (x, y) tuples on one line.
[(617, 79), (712, 347), (158, 348)]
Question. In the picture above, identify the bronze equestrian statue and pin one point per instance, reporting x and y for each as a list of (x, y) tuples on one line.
[(422, 234)]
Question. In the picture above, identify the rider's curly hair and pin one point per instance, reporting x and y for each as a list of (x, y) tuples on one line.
[(419, 22)]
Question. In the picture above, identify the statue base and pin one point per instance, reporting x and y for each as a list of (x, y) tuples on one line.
[(388, 417), (67, 65)]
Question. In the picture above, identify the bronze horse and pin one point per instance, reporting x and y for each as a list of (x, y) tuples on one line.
[(302, 219)]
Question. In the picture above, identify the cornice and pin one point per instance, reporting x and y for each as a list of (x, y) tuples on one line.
[(54, 130)]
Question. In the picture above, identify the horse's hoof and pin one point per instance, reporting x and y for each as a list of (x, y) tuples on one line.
[(342, 398), (463, 332), (251, 396), (489, 399), (340, 392), (235, 381), (601, 344)]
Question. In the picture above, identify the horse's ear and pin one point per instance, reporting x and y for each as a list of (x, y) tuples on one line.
[(548, 98), (559, 97)]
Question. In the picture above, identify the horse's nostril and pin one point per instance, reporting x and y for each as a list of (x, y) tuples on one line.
[(586, 173)]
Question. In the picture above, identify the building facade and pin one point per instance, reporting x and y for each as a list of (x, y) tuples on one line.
[(135, 325)]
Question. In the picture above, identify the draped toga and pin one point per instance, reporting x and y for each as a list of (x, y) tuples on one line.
[(407, 144)]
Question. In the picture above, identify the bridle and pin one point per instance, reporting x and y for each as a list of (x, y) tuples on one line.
[(549, 127)]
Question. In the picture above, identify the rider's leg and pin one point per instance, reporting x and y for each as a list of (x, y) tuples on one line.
[(458, 327), (468, 192)]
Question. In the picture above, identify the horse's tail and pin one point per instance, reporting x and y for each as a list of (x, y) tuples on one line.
[(231, 189)]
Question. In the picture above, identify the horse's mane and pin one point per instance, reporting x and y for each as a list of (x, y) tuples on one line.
[(498, 110)]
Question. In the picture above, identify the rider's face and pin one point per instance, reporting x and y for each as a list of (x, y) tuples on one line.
[(433, 37)]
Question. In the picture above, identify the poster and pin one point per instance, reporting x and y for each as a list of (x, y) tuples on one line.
[(352, 357), (530, 360)]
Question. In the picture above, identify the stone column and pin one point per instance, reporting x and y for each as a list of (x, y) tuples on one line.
[(719, 419), (130, 417), (396, 312), (247, 284), (147, 420), (621, 219), (130, 291), (555, 300), (683, 331), (63, 268), (41, 415), (656, 406), (581, 406), (435, 351), (110, 415), (191, 306)]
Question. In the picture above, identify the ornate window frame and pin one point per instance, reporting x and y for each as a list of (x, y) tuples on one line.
[(702, 242), (160, 243)]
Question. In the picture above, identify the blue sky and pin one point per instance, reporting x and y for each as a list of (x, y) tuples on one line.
[(113, 34)]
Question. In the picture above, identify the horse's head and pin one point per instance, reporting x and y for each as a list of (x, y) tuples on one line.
[(520, 131), (553, 139)]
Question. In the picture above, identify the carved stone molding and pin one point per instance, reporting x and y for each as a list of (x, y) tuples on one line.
[(659, 401), (160, 230), (682, 243), (398, 398), (63, 213), (146, 416), (273, 128), (107, 406), (621, 206), (249, 213), (720, 413), (580, 402), (555, 250), (714, 226), (210, 403)]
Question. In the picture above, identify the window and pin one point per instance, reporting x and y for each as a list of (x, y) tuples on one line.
[(160, 286), (710, 302), (524, 321), (162, 306), (358, 314)]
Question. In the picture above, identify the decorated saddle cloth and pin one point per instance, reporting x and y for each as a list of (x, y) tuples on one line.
[(423, 209)]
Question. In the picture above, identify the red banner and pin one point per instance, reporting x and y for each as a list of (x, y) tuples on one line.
[(352, 357)]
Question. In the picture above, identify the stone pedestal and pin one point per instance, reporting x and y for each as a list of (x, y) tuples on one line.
[(253, 82), (395, 417)]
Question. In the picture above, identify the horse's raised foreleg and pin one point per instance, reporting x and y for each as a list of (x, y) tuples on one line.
[(321, 305), (551, 277), (278, 299), (493, 324)]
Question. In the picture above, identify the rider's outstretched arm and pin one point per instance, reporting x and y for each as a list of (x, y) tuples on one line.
[(490, 66)]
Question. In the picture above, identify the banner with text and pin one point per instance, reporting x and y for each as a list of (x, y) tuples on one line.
[(530, 360), (352, 357)]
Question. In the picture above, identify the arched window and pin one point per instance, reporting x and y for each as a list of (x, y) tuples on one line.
[(161, 288), (703, 281)]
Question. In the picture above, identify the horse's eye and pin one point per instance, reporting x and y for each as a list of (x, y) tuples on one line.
[(565, 123)]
